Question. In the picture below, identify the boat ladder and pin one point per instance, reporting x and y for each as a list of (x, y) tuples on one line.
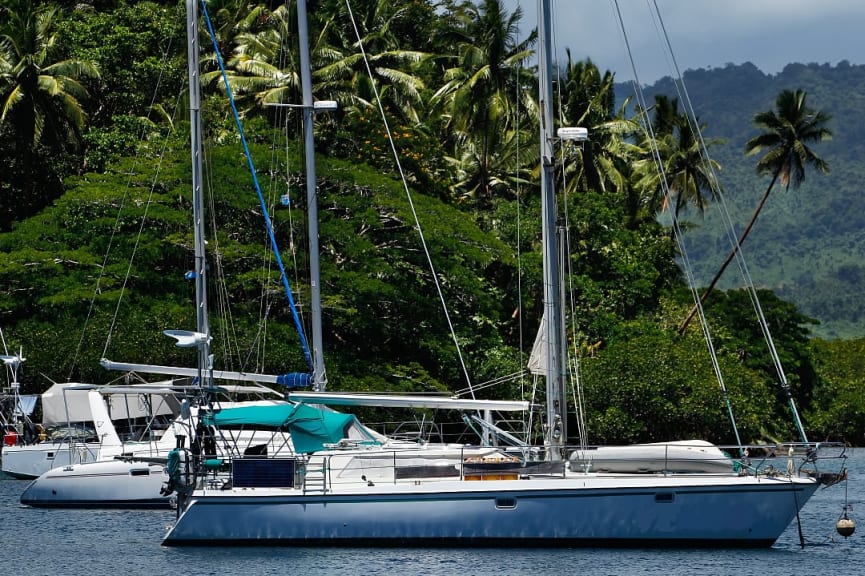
[(315, 478)]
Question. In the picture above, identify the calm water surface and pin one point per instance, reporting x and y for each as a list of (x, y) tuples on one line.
[(127, 543)]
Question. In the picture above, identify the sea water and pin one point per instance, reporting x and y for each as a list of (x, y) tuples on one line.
[(127, 543)]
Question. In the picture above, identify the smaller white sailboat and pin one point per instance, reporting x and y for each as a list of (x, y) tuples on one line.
[(103, 474), (124, 473), (85, 423)]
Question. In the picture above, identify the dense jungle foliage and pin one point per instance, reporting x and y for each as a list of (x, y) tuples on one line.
[(95, 232)]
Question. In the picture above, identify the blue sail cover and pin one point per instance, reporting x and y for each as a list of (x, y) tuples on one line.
[(294, 380), (310, 428)]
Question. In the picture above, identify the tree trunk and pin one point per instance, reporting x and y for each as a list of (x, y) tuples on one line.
[(730, 256)]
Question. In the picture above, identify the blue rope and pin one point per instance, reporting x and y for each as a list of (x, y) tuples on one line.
[(261, 201)]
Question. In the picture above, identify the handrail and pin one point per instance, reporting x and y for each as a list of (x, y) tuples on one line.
[(421, 464)]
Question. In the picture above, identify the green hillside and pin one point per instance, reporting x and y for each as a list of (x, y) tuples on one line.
[(808, 243)]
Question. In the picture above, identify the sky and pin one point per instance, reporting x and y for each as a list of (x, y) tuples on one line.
[(704, 33)]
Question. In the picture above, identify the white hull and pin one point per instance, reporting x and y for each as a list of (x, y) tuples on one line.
[(31, 461), (578, 510), (113, 484), (97, 479)]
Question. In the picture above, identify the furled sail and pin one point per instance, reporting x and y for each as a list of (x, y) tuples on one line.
[(538, 359)]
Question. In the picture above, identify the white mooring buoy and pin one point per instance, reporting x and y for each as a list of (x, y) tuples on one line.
[(845, 527)]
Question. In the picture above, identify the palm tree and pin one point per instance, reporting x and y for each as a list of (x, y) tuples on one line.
[(605, 159), (689, 175), (39, 96), (787, 132), (262, 65), (232, 17), (394, 58), (264, 60), (41, 110), (484, 100)]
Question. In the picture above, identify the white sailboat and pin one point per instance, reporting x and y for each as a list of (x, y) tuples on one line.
[(117, 472), (85, 423), (356, 492), (29, 449), (80, 423)]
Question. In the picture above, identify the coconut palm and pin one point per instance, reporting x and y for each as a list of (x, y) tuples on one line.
[(229, 18), (787, 131), (382, 31), (604, 160), (689, 175), (40, 96), (483, 102), (42, 114), (262, 65), (264, 62)]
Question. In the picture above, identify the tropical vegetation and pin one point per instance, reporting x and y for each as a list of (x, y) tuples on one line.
[(95, 236)]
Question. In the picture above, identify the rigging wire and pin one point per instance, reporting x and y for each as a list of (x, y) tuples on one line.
[(262, 203), (410, 200), (97, 288), (228, 332), (490, 383), (680, 241), (730, 230), (256, 353), (227, 328), (259, 344), (573, 360), (677, 232), (280, 190), (137, 243)]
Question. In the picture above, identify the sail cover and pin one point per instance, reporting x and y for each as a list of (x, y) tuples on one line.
[(69, 402)]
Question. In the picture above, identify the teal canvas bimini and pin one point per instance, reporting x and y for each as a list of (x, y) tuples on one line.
[(311, 428)]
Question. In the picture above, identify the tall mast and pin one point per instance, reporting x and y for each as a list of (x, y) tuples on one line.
[(319, 377), (200, 270), (556, 433)]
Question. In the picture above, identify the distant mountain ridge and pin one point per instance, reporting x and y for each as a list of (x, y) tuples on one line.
[(808, 243)]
